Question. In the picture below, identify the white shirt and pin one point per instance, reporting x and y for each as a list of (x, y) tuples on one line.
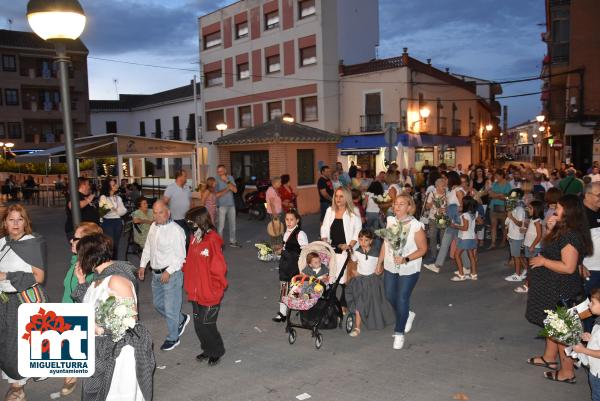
[(302, 238), (11, 262), (452, 198), (114, 202), (547, 185), (179, 200), (165, 247), (592, 262), (514, 231), (531, 234), (412, 267), (470, 233), (595, 345), (366, 262), (371, 205), (543, 171), (595, 177)]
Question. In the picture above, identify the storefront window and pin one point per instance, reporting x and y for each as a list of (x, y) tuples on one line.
[(251, 166), (447, 155), (422, 154)]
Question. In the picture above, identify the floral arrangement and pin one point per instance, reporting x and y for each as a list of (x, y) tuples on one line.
[(116, 316), (265, 252), (513, 201), (396, 236), (384, 201), (441, 220), (562, 325), (304, 292), (105, 205)]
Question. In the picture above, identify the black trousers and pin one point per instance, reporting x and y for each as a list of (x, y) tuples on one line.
[(205, 323), (187, 232)]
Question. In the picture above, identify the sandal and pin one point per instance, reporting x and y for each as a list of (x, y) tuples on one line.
[(15, 394), (355, 332), (544, 363), (68, 386), (553, 375), (522, 289)]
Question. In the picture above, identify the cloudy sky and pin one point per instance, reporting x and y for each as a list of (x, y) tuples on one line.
[(490, 39)]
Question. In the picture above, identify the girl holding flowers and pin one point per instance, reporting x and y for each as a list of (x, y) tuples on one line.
[(467, 239)]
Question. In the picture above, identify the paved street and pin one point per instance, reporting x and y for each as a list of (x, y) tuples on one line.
[(468, 337)]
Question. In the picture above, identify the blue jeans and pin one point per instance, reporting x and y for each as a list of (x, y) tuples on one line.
[(373, 220), (113, 228), (227, 212), (595, 386), (323, 206), (397, 291), (447, 238), (590, 284), (167, 300)]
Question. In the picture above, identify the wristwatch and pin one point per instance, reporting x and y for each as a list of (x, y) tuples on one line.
[(406, 260)]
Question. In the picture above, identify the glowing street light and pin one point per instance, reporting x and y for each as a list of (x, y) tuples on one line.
[(288, 118), (489, 127), (542, 128), (424, 112), (221, 127), (540, 118)]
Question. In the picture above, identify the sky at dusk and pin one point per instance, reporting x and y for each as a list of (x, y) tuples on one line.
[(490, 39)]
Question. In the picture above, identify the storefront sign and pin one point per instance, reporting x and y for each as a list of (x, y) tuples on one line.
[(359, 152)]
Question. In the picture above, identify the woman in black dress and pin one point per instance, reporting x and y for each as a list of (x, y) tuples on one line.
[(554, 278)]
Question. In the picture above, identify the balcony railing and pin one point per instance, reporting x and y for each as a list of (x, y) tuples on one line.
[(371, 122)]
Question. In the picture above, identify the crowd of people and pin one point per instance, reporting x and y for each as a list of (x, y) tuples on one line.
[(550, 221)]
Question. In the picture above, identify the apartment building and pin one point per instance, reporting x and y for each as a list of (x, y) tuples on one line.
[(265, 58), (571, 92), (30, 104), (439, 116)]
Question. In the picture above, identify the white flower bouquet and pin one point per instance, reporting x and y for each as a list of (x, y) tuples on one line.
[(265, 252), (396, 236), (440, 219), (116, 316), (105, 205), (562, 325), (513, 201), (383, 201)]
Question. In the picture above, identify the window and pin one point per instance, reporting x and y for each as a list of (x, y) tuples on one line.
[(243, 71), (111, 127), (306, 166), (9, 63), (245, 117), (213, 78), (271, 20), (14, 130), (273, 64), (191, 128), (176, 134), (12, 97), (213, 118), (250, 166), (308, 55), (560, 34), (456, 127), (306, 8), (309, 108), (241, 30), (157, 128), (142, 128), (274, 110), (2, 132), (212, 40)]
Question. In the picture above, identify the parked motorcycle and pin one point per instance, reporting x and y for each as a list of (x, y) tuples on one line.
[(255, 200)]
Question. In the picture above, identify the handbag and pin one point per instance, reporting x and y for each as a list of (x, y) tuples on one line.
[(33, 295)]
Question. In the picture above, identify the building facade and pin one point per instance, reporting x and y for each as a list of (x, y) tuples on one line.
[(264, 58), (523, 142), (30, 104), (571, 92), (395, 91)]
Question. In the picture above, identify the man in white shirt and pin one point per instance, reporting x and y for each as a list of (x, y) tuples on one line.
[(542, 170), (165, 250), (595, 175), (178, 197)]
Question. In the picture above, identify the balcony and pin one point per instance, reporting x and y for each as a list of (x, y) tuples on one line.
[(371, 122)]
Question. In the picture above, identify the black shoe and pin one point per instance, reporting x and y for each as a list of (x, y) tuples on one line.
[(213, 360), (235, 245), (169, 345), (202, 357), (279, 318), (186, 320)]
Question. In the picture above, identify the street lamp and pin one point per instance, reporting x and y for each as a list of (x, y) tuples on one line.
[(288, 118), (540, 118), (60, 22), (221, 127), (489, 127), (542, 128), (424, 112)]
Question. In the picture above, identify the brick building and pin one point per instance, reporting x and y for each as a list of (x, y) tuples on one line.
[(30, 106)]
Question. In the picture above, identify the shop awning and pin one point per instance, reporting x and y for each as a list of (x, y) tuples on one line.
[(362, 142), (368, 142), (575, 129)]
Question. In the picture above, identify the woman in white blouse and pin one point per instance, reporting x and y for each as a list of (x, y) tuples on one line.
[(402, 267), (340, 228), (112, 225)]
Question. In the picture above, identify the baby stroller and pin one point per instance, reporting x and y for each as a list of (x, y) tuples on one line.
[(306, 309)]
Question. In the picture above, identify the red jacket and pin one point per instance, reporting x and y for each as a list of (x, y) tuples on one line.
[(204, 270)]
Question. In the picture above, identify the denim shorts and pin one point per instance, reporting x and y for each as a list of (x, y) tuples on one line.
[(515, 247), (535, 252), (466, 243)]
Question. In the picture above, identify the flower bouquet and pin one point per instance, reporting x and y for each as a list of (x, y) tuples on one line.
[(513, 201), (396, 236), (105, 205), (563, 326), (441, 220), (265, 252), (304, 292), (116, 316), (383, 201)]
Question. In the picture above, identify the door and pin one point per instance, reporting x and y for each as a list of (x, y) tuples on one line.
[(581, 147)]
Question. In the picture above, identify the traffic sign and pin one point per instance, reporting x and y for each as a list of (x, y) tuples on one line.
[(391, 133)]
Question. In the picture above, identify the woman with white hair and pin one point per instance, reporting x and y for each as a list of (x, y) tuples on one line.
[(340, 228)]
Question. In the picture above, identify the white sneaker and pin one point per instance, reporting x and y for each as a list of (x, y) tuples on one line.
[(459, 278), (513, 277), (398, 341), (465, 270), (524, 275), (432, 267), (409, 321)]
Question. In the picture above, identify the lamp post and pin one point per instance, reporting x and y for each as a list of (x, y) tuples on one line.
[(60, 22), (221, 127), (6, 148), (288, 118)]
